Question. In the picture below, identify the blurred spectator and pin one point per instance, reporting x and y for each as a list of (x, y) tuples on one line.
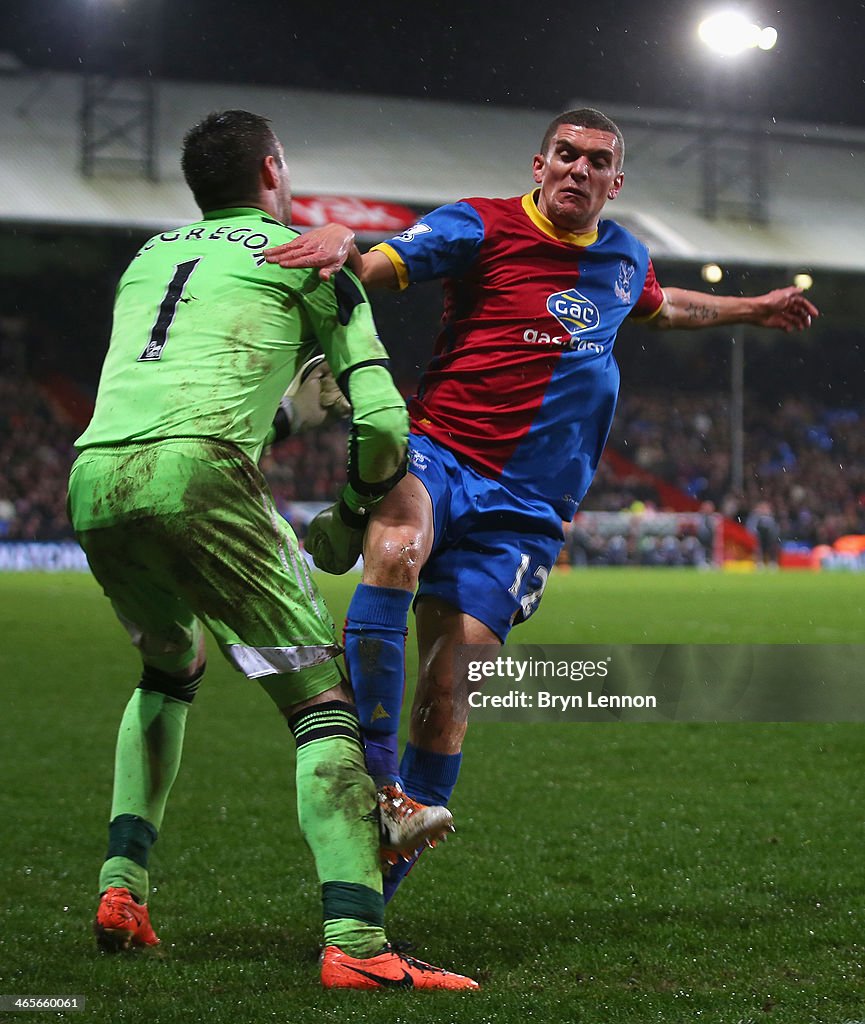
[(764, 526)]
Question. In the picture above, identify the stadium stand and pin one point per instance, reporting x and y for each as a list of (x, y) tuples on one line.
[(428, 153), (40, 421), (35, 455), (806, 471), (804, 483)]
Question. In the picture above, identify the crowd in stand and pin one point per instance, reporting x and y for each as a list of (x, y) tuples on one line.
[(37, 451), (307, 467), (35, 455), (804, 467), (804, 463)]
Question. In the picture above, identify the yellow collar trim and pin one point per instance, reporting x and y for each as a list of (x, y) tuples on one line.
[(540, 221)]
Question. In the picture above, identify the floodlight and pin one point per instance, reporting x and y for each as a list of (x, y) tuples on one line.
[(730, 33)]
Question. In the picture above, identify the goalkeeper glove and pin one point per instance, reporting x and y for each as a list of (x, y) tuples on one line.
[(335, 538), (312, 399)]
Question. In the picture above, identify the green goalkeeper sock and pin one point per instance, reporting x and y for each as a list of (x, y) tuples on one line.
[(335, 808), (146, 762)]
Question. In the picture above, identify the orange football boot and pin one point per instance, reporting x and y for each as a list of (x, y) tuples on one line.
[(122, 923), (388, 969)]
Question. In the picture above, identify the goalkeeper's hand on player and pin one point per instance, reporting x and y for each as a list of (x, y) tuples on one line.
[(312, 399), (334, 537), (329, 248)]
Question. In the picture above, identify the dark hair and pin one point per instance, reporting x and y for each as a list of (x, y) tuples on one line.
[(588, 117), (222, 158)]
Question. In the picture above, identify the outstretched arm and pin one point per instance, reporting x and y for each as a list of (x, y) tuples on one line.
[(785, 309), (330, 249)]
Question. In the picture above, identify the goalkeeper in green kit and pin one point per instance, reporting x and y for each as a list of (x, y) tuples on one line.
[(181, 531)]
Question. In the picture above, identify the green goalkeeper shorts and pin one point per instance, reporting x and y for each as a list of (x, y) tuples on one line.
[(185, 531)]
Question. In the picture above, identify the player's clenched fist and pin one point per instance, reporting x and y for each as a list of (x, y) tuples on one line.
[(335, 538)]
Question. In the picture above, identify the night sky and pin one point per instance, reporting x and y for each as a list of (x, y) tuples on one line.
[(537, 55)]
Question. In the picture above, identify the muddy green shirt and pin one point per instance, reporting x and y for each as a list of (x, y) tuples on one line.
[(207, 336)]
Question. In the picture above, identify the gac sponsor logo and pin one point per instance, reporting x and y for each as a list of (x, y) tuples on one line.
[(574, 311), (577, 315)]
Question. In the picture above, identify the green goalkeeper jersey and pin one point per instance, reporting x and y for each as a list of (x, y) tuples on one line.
[(207, 335)]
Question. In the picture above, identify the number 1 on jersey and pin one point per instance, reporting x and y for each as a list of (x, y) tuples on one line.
[(167, 309)]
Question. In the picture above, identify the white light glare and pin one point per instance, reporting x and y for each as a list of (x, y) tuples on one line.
[(768, 38), (712, 273), (803, 281), (730, 33)]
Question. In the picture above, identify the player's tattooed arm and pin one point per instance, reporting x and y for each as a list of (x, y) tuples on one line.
[(699, 314), (786, 309)]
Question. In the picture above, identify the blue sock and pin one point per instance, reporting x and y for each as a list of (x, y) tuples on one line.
[(375, 630), (429, 778), (394, 877)]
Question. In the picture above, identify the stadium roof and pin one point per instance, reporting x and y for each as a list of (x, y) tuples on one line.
[(425, 153)]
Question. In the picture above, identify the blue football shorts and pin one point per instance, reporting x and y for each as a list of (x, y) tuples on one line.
[(493, 550)]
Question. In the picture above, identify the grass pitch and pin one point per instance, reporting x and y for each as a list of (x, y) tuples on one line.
[(602, 873)]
